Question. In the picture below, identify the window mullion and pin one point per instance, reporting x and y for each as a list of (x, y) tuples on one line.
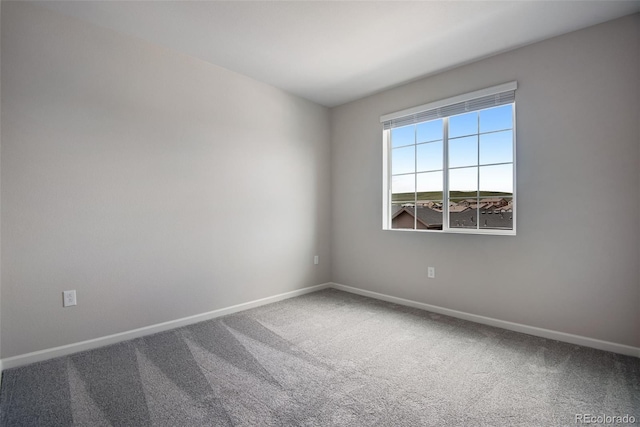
[(513, 162), (415, 177), (388, 189), (478, 177), (445, 171)]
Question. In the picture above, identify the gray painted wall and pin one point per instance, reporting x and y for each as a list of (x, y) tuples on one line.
[(574, 265), (159, 186), (156, 185)]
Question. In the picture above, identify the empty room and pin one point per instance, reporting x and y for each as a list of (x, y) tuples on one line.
[(319, 213)]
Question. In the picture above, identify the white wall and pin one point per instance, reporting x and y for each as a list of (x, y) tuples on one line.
[(156, 185), (574, 265)]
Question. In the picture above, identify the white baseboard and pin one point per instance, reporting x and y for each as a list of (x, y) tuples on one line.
[(39, 356), (50, 353), (518, 327)]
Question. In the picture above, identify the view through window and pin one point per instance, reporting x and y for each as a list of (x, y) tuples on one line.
[(454, 173)]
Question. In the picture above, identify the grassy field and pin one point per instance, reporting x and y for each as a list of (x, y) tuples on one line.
[(437, 195)]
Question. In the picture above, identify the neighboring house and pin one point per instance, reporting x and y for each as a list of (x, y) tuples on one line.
[(479, 206), (495, 201), (496, 219), (508, 207), (425, 218), (453, 208), (436, 206), (467, 202), (492, 201), (464, 219), (431, 219)]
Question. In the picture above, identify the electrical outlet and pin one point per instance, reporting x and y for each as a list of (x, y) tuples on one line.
[(69, 298), (316, 260), (431, 272)]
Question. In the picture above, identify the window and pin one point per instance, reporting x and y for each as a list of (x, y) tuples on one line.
[(450, 165)]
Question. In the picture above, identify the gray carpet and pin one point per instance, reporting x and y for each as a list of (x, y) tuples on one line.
[(324, 359)]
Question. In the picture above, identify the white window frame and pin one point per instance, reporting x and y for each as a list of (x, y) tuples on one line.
[(386, 162)]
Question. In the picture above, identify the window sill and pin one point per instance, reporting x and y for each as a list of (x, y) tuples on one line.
[(457, 231)]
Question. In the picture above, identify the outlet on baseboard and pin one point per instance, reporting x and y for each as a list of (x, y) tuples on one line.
[(69, 298)]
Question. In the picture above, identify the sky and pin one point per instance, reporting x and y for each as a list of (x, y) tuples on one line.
[(477, 141)]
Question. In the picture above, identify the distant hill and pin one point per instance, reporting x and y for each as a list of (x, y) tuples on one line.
[(437, 195)]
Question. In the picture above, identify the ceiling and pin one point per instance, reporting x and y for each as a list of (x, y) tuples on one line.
[(333, 52)]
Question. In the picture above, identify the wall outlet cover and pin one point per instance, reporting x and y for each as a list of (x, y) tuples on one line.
[(69, 298)]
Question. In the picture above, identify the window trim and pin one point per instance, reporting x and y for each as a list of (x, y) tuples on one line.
[(493, 90), (386, 161)]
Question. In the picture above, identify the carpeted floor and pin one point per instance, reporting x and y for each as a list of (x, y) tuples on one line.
[(324, 359)]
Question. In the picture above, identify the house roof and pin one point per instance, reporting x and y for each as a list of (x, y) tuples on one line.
[(459, 208), (432, 219), (428, 217)]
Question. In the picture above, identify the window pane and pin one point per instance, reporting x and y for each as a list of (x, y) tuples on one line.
[(430, 156), (497, 118), (462, 125), (463, 151), (403, 188), (496, 213), (463, 183), (496, 147), (429, 131), (463, 213), (429, 215), (429, 186), (496, 180), (403, 160), (403, 136), (402, 216)]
